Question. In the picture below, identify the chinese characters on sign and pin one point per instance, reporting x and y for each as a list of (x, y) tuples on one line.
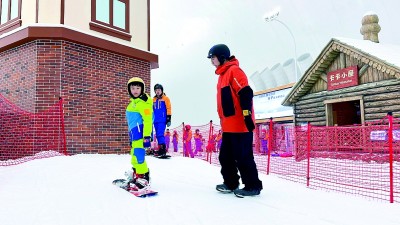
[(342, 78)]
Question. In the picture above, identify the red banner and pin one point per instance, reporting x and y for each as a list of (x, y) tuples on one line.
[(342, 78)]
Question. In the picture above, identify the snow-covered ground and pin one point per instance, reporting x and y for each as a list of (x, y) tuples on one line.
[(77, 190)]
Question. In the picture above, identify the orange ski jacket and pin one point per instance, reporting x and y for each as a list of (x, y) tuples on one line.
[(231, 80)]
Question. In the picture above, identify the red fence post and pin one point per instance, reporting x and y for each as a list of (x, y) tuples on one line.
[(183, 140), (210, 134), (390, 139), (308, 152), (270, 139), (256, 139), (60, 103)]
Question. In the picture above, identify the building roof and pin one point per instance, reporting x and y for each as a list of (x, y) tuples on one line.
[(383, 57)]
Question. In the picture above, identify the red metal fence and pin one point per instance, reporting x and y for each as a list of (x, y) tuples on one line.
[(25, 136), (360, 160)]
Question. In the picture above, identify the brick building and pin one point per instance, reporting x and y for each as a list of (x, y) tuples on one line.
[(82, 51)]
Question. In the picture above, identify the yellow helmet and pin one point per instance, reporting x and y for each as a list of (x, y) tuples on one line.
[(135, 80)]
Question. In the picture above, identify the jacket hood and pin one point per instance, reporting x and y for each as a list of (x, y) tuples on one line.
[(163, 94), (224, 67)]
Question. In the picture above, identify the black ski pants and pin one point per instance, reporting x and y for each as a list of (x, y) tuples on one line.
[(236, 154)]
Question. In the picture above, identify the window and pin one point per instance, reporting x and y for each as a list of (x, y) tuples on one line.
[(111, 17), (10, 15), (9, 10)]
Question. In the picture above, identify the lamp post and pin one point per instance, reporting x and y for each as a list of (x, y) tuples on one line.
[(273, 17)]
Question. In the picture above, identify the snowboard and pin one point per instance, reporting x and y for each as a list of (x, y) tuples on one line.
[(163, 157), (122, 183)]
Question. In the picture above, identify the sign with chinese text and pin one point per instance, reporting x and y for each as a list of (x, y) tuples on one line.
[(269, 105), (382, 135), (342, 78)]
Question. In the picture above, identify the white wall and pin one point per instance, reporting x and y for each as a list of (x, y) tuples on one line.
[(77, 14), (50, 11), (28, 12)]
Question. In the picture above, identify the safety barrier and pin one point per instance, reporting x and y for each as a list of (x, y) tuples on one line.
[(25, 136), (361, 160)]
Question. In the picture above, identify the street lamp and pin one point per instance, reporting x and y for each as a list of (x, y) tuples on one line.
[(272, 16)]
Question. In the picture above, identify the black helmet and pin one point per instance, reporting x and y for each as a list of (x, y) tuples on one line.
[(221, 51), (159, 86)]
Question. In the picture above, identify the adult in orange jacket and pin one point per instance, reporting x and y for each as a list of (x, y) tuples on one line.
[(235, 109)]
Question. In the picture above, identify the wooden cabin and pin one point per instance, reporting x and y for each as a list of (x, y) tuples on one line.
[(351, 82), (375, 94)]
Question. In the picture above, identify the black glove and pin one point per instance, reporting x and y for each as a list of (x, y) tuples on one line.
[(249, 123), (168, 120), (147, 142)]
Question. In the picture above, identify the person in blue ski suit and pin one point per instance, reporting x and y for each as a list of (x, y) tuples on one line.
[(162, 117)]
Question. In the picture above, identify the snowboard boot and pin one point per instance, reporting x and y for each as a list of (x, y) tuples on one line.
[(133, 181), (140, 182), (162, 151), (149, 151)]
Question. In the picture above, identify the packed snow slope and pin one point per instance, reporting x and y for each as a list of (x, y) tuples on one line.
[(77, 190)]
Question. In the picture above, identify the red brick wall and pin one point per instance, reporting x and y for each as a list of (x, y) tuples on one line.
[(49, 65), (18, 75), (95, 94), (91, 81)]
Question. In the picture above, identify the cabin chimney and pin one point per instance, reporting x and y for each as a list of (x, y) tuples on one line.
[(370, 27)]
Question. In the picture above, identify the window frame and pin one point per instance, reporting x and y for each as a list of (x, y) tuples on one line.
[(11, 24), (109, 28)]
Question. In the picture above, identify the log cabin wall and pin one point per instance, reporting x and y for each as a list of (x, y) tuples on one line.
[(378, 97)]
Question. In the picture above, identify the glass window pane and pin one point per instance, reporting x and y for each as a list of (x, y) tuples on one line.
[(4, 11), (119, 14), (103, 11), (14, 9)]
